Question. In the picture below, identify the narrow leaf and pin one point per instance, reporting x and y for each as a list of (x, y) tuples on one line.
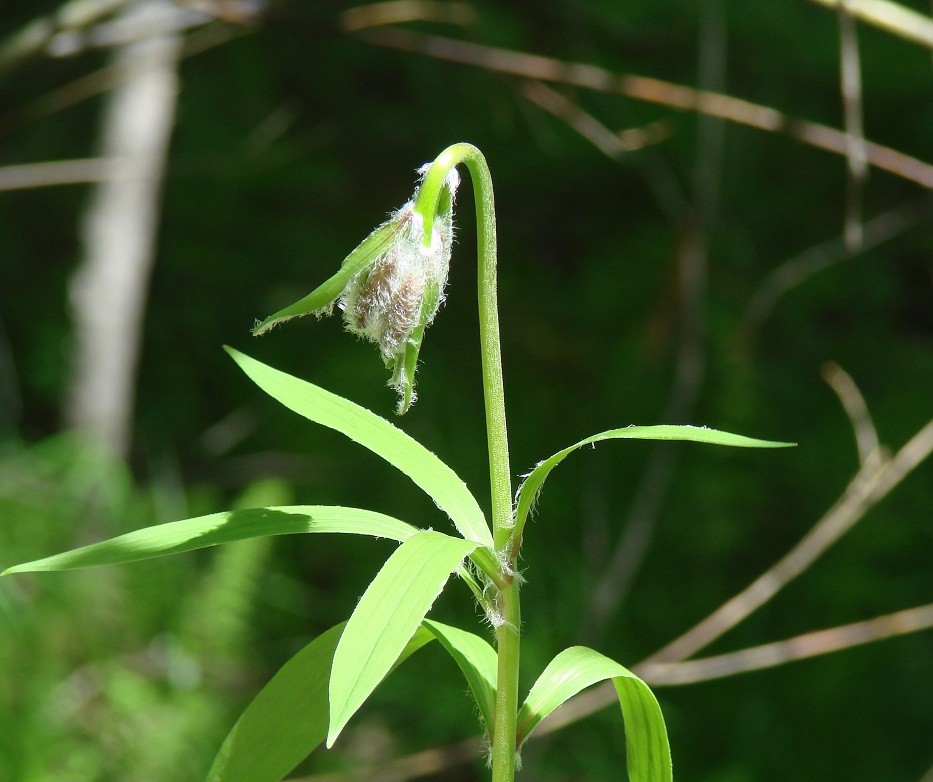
[(379, 436), (533, 482), (325, 294), (648, 754), (386, 618), (203, 531), (287, 720), (478, 662)]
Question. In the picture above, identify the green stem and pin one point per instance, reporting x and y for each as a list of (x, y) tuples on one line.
[(508, 637), (508, 606), (426, 205)]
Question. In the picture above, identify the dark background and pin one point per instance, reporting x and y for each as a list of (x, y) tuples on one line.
[(137, 672)]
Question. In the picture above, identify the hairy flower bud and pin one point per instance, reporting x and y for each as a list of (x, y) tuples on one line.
[(393, 299), (390, 287)]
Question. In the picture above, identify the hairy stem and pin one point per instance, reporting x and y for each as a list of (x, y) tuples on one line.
[(426, 206), (508, 607), (508, 636)]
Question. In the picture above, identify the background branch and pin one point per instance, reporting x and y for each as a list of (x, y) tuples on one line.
[(869, 486), (856, 161), (893, 17), (33, 39), (866, 438), (800, 268), (108, 291), (61, 172), (675, 96), (800, 647), (671, 199)]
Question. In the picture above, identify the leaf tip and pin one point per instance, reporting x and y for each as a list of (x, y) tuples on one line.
[(22, 567), (333, 732), (236, 355)]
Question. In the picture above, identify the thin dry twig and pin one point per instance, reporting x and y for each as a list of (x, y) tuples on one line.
[(800, 647), (866, 438), (755, 658), (872, 482), (98, 82), (613, 145), (676, 96), (670, 197), (61, 172), (395, 11), (821, 256), (32, 39), (893, 17), (857, 163)]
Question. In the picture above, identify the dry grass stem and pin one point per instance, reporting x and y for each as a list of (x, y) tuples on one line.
[(800, 268), (799, 647), (869, 486), (61, 172), (612, 144), (73, 16), (396, 11), (866, 438), (675, 96), (892, 17), (857, 163)]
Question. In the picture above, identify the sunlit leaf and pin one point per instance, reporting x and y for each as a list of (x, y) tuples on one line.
[(386, 618), (478, 662), (178, 536), (535, 479), (648, 754), (287, 720), (327, 292), (379, 436)]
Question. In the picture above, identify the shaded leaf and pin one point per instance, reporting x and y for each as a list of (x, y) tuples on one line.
[(204, 531), (533, 482), (379, 436), (478, 661), (386, 618), (287, 720), (648, 754)]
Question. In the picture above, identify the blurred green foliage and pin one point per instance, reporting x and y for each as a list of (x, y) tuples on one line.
[(137, 673)]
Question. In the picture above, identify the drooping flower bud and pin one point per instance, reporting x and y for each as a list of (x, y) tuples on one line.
[(390, 287)]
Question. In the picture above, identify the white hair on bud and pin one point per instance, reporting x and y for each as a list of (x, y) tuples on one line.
[(453, 180), (402, 289)]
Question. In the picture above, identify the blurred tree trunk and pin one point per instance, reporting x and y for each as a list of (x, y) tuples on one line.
[(108, 291)]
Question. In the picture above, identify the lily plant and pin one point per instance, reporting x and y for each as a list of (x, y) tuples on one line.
[(389, 289)]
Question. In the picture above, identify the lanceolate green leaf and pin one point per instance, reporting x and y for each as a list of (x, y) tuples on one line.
[(326, 293), (478, 661), (386, 618), (203, 531), (648, 754), (379, 436), (535, 479), (287, 720)]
